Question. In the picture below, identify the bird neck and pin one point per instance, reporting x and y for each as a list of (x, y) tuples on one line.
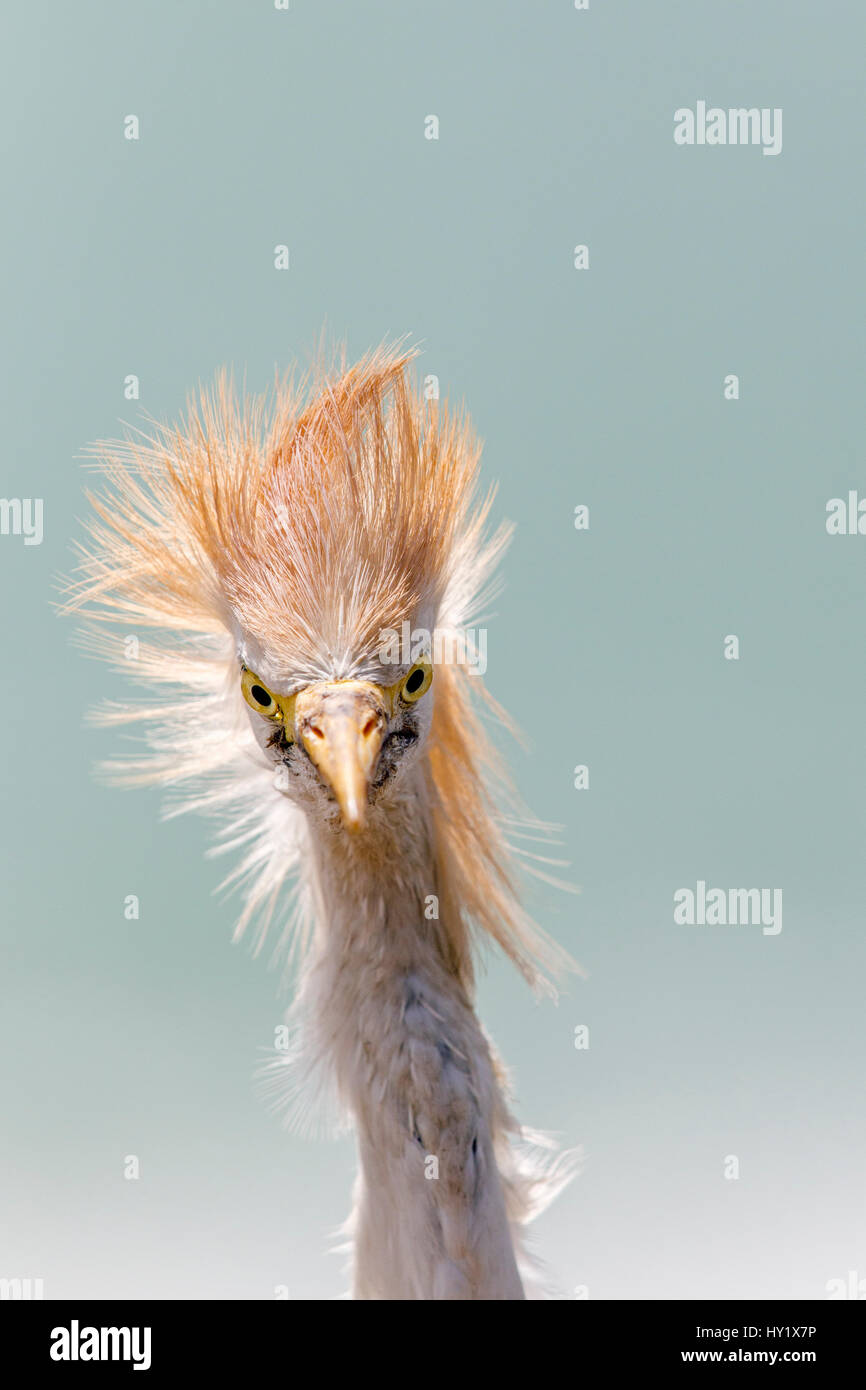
[(386, 890), (384, 1000)]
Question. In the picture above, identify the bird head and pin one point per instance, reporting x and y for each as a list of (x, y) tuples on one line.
[(268, 543)]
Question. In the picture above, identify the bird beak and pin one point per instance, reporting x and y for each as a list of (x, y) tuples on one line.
[(341, 724)]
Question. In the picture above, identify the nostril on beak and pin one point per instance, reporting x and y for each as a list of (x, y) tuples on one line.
[(315, 731), (370, 727)]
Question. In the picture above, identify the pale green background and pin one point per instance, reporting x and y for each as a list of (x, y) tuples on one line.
[(603, 387)]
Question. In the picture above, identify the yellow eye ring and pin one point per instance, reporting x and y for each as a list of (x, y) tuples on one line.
[(417, 682), (258, 697)]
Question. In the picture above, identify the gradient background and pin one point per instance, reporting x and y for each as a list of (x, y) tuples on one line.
[(603, 387)]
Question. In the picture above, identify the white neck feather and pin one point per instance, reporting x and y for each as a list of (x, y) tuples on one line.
[(411, 1064)]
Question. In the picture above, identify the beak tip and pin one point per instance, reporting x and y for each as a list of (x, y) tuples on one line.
[(353, 816)]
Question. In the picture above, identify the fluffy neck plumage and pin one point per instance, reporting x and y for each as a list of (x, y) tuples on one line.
[(410, 1062)]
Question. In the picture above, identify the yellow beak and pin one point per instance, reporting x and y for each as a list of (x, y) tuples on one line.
[(341, 724)]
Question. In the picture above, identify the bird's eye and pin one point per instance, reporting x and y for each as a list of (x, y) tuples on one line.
[(417, 683), (257, 696)]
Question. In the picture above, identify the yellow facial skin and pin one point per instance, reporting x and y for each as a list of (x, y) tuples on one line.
[(279, 708), (342, 725)]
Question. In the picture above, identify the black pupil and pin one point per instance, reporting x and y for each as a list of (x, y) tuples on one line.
[(260, 695), (415, 681)]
